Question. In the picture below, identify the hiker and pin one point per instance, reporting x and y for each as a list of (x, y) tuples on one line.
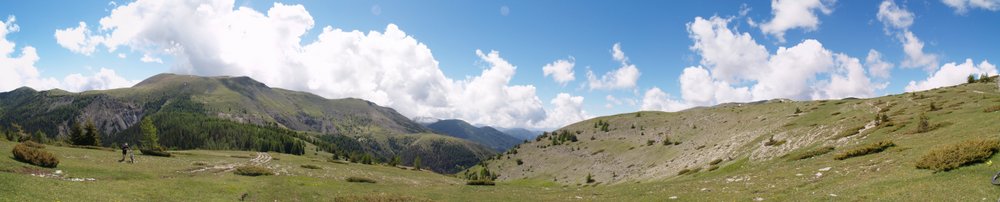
[(124, 152)]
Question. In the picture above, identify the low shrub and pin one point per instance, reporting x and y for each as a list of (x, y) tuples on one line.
[(772, 142), (34, 156), (360, 180), (713, 167), (251, 170), (480, 182), (811, 153), (310, 166), (950, 157), (688, 171), (994, 108), (33, 144), (155, 152), (865, 150), (519, 162), (714, 162)]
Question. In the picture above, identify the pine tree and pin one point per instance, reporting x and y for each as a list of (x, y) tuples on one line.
[(20, 134), (416, 162), (40, 137), (972, 78), (150, 140), (92, 136), (76, 134)]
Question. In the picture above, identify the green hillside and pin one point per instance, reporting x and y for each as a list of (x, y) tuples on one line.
[(485, 135), (777, 149), (237, 113)]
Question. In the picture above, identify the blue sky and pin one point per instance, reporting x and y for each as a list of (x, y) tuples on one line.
[(654, 36)]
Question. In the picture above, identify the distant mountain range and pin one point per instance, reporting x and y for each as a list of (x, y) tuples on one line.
[(230, 113), (492, 138)]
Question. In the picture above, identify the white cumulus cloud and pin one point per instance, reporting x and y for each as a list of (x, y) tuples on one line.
[(962, 6), (790, 14), (876, 66), (657, 100), (17, 71), (915, 55), (567, 109), (77, 39), (892, 15), (734, 68), (103, 79), (388, 67), (560, 70), (621, 78), (951, 74)]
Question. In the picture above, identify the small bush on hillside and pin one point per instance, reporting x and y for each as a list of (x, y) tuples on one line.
[(155, 152), (992, 109), (865, 150), (480, 183), (923, 123), (251, 170), (971, 79), (650, 142), (519, 162), (772, 142), (688, 171), (714, 162), (590, 178), (33, 144), (933, 107), (360, 180), (34, 156), (713, 167), (811, 153), (310, 166), (957, 155)]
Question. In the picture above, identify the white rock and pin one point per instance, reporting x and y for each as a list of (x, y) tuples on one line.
[(825, 169), (673, 197), (819, 174), (799, 174), (833, 195), (58, 172), (758, 199)]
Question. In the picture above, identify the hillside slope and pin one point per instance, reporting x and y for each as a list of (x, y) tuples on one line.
[(757, 145), (201, 112), (485, 135)]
